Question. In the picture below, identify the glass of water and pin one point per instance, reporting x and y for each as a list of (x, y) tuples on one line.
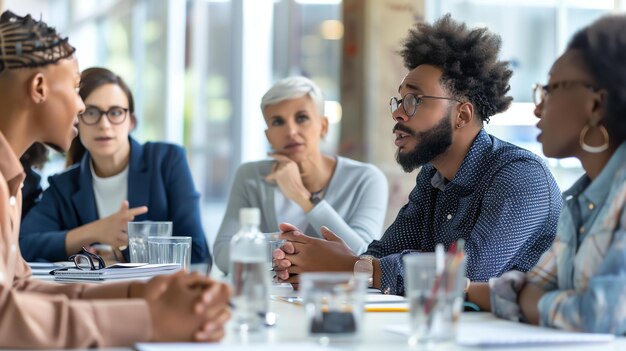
[(334, 303), (138, 233), (273, 243), (170, 249)]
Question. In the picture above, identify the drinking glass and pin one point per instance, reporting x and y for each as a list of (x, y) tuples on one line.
[(138, 233)]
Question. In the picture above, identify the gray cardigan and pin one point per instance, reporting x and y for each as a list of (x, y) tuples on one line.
[(354, 205)]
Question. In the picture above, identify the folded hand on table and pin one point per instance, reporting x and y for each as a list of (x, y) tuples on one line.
[(185, 307), (302, 253)]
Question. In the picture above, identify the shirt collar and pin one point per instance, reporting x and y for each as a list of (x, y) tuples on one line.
[(10, 167), (470, 165), (438, 181), (597, 191)]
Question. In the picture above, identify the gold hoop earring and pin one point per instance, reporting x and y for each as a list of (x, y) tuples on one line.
[(594, 149)]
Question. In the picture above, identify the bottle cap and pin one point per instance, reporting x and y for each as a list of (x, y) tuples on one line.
[(250, 216)]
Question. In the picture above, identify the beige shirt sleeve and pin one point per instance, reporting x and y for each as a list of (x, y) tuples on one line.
[(35, 314)]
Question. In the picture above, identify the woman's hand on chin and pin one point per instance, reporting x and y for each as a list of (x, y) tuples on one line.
[(286, 175)]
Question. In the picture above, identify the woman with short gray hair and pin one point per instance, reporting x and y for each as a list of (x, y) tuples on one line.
[(300, 184)]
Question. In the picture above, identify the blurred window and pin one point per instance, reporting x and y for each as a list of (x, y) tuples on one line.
[(534, 33)]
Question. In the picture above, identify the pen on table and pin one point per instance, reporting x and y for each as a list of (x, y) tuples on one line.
[(386, 309), (290, 299), (298, 301)]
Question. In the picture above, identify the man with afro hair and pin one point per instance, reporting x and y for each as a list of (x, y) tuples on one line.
[(501, 199)]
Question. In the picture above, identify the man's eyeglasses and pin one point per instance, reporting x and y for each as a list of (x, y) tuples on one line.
[(92, 115), (540, 92), (410, 102)]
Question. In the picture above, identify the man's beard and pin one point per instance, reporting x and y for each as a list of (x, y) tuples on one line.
[(431, 144)]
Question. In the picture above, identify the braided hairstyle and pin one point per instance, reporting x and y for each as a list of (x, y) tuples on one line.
[(27, 43), (468, 59)]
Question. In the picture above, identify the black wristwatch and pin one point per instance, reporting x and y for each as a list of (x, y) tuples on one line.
[(316, 198)]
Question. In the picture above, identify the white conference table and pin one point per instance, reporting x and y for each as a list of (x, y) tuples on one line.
[(290, 333), (291, 328)]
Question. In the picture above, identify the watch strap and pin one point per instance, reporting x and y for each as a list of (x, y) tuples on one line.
[(365, 265)]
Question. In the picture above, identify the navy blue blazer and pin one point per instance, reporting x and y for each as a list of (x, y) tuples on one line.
[(158, 177)]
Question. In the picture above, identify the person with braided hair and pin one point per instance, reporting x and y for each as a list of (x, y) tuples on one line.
[(501, 199), (39, 79)]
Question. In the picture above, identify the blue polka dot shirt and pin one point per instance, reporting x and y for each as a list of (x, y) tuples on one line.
[(503, 201)]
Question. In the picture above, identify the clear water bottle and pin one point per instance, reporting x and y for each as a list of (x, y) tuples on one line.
[(249, 266)]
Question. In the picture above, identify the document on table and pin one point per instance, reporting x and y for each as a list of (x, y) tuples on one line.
[(499, 332), (117, 271), (231, 347), (44, 268), (385, 303)]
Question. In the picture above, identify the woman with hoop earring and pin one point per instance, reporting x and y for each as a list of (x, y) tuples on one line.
[(579, 284)]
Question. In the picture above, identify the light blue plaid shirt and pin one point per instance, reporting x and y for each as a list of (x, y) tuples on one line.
[(584, 272)]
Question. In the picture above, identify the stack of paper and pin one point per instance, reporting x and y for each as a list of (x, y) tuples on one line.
[(385, 303), (117, 271), (44, 268)]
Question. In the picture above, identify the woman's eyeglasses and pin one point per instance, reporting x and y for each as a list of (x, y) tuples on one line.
[(541, 92), (92, 115)]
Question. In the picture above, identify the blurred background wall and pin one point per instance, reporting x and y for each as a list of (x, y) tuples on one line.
[(198, 69)]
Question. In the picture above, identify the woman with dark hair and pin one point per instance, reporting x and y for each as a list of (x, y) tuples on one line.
[(114, 180), (580, 282), (34, 158)]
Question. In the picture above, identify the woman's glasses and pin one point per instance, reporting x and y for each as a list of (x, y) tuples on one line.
[(92, 115), (541, 92)]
